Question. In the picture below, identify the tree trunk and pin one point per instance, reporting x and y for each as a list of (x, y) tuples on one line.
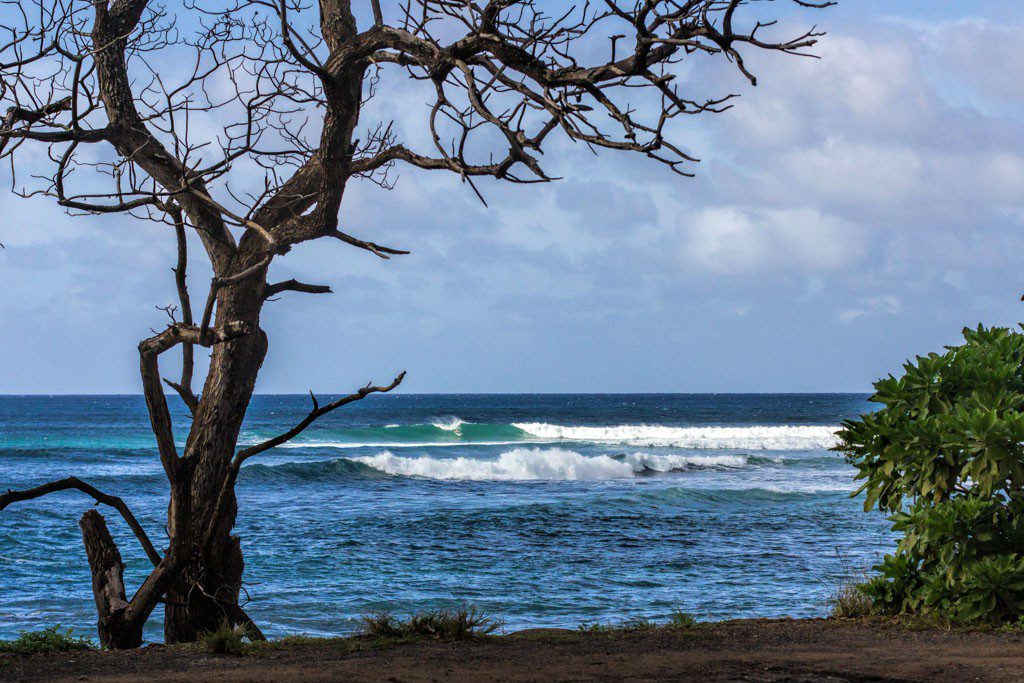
[(115, 630), (205, 596)]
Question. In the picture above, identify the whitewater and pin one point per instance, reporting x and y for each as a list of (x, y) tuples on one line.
[(556, 464), (457, 432), (755, 437), (548, 510)]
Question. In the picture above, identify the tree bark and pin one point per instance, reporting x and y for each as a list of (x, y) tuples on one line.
[(206, 594), (115, 630)]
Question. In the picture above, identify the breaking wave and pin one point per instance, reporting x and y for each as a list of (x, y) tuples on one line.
[(454, 431), (535, 464), (768, 438), (396, 444), (450, 424), (446, 431)]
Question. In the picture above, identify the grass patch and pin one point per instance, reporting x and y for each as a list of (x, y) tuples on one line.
[(678, 620), (848, 601), (52, 639), (229, 640), (638, 624), (379, 629), (304, 640), (681, 620), (463, 623)]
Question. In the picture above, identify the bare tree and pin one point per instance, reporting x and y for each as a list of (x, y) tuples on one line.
[(235, 122)]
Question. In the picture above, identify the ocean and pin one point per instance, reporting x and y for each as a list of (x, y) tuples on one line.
[(545, 510)]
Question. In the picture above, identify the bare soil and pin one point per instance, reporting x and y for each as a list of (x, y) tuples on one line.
[(757, 650)]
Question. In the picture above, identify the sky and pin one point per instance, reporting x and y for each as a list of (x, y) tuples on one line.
[(848, 213)]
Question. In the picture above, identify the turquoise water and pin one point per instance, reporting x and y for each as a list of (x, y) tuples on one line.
[(548, 510)]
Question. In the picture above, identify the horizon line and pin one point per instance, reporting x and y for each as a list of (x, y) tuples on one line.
[(486, 393)]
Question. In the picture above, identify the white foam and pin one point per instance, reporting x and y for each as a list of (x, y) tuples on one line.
[(809, 487), (769, 438), (451, 424), (398, 444), (668, 463), (520, 464), (531, 464)]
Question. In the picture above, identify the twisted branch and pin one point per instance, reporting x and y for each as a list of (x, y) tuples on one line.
[(74, 483)]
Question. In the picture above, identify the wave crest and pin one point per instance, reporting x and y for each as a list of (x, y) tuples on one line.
[(451, 424), (768, 438), (535, 464)]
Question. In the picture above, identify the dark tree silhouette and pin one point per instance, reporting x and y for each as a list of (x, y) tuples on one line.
[(235, 123)]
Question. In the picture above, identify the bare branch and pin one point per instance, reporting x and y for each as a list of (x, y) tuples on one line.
[(294, 286), (149, 368), (377, 249), (220, 282), (184, 386), (74, 483), (317, 412), (29, 116)]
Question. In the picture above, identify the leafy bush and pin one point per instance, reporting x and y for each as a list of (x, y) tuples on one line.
[(463, 623), (51, 639), (944, 457)]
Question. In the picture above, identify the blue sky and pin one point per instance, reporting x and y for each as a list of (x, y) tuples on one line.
[(849, 212)]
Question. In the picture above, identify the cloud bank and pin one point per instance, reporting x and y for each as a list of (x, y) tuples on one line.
[(848, 213)]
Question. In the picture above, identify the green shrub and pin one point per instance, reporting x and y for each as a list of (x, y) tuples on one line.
[(681, 620), (944, 458), (463, 623), (596, 627), (228, 640), (51, 639)]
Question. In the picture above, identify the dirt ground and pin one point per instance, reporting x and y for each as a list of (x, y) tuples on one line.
[(746, 650)]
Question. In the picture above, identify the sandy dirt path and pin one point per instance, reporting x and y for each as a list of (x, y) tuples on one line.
[(747, 650)]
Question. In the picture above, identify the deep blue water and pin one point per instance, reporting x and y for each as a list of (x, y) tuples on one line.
[(544, 509)]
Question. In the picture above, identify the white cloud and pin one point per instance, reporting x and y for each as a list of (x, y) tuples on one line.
[(872, 305), (840, 193), (728, 240), (981, 54)]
